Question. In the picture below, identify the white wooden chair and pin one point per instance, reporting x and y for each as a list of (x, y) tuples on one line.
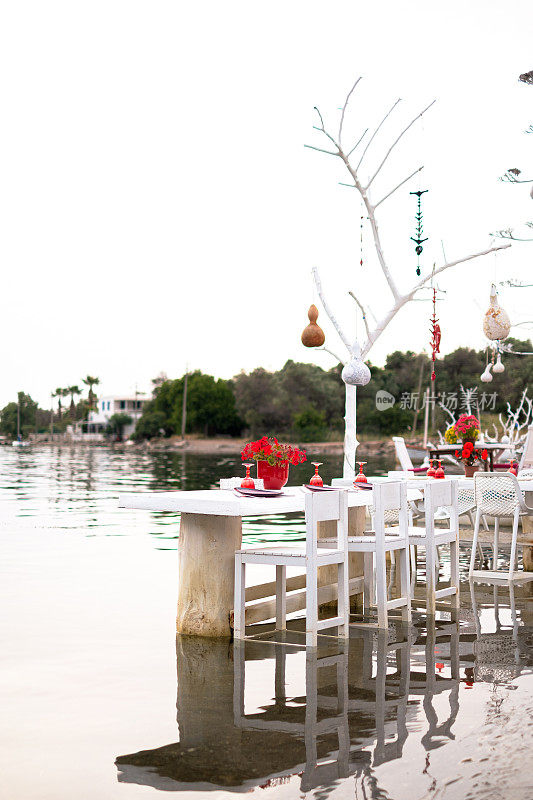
[(405, 459), (319, 507), (499, 496), (526, 459), (439, 494), (389, 501)]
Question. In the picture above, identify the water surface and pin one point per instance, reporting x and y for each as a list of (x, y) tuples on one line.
[(99, 699)]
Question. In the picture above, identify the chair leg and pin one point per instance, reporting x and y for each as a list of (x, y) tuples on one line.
[(343, 600), (474, 543), (381, 589), (496, 543), (512, 563), (311, 611), (281, 597), (454, 574), (431, 551), (405, 582), (240, 598), (368, 581)]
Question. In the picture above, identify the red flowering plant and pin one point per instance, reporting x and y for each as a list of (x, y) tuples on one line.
[(270, 450), (469, 455)]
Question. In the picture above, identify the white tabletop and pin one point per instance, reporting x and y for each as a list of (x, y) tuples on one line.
[(226, 503)]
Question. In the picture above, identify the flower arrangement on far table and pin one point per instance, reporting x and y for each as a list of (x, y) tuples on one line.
[(273, 459), (466, 429)]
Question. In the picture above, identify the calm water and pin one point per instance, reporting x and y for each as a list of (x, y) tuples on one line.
[(99, 700)]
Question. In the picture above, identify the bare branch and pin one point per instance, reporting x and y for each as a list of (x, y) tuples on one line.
[(363, 312), (375, 132), (332, 353), (345, 106), (320, 150), (393, 145), (328, 311), (453, 264), (399, 186), (358, 142), (320, 115)]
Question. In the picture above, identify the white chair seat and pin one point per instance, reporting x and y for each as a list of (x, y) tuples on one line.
[(290, 552), (367, 538)]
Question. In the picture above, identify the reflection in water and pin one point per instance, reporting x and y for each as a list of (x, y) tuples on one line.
[(348, 712)]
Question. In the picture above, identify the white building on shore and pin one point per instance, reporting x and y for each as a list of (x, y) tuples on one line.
[(105, 407)]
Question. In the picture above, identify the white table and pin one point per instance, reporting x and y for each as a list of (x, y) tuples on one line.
[(211, 532)]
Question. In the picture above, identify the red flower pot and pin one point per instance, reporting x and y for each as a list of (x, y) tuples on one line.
[(470, 469), (274, 477)]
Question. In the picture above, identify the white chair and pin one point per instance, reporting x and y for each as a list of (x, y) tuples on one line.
[(319, 507), (389, 501), (499, 496), (439, 494), (405, 459), (526, 460)]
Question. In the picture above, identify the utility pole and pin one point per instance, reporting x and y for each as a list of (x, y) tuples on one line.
[(418, 398), (52, 415), (184, 406), (18, 417)]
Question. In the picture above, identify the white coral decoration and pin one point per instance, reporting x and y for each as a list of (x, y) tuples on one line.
[(356, 372), (496, 324)]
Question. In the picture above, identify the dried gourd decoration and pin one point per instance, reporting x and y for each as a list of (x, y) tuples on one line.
[(313, 335), (496, 324)]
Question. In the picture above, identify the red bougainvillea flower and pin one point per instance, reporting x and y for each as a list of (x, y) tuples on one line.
[(484, 455), (269, 449)]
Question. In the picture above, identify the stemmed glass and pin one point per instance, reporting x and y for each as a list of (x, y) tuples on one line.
[(361, 477), (439, 472), (316, 480), (431, 471), (513, 468), (248, 482)]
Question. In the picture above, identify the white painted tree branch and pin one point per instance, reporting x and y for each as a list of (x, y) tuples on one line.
[(345, 107), (393, 145), (358, 142), (387, 115), (365, 320), (328, 311), (454, 264), (332, 353), (398, 187)]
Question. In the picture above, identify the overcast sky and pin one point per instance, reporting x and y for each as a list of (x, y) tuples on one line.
[(158, 207)]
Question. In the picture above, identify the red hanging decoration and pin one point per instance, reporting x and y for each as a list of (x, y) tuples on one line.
[(435, 334)]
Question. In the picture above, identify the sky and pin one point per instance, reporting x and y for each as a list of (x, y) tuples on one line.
[(159, 210)]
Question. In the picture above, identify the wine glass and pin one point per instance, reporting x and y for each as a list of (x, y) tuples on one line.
[(431, 471), (439, 472), (513, 469), (361, 477), (248, 482), (316, 480)]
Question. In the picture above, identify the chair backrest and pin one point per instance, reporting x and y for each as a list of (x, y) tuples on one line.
[(402, 454), (441, 494), (390, 500), (497, 494), (527, 455), (326, 507)]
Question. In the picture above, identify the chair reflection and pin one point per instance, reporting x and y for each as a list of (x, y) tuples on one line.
[(349, 714)]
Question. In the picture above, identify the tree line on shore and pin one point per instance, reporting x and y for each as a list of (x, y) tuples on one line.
[(302, 402)]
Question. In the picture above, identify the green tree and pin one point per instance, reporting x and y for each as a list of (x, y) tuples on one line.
[(90, 381), (73, 391), (8, 416), (117, 423)]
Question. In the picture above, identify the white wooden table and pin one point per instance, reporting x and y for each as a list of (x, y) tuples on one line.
[(211, 532)]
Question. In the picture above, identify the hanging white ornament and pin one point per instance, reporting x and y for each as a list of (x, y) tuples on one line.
[(487, 376), (356, 372), (496, 323), (498, 366)]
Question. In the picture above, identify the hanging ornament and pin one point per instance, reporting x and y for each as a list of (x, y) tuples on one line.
[(313, 335), (435, 334), (356, 372), (496, 324), (487, 376), (498, 366), (361, 244), (419, 229)]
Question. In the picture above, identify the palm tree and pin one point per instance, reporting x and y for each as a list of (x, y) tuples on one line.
[(72, 391), (90, 382), (59, 393)]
